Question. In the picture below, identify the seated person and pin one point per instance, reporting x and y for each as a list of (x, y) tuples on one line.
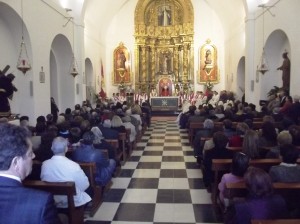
[(283, 138), (100, 143), (136, 111), (218, 152), (20, 204), (87, 153), (206, 131), (106, 130), (185, 116), (237, 139), (229, 131), (128, 125), (239, 166), (288, 171), (117, 124), (60, 169), (261, 203), (251, 145)]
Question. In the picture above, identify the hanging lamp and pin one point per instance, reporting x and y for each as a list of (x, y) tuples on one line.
[(263, 66), (23, 63), (74, 67)]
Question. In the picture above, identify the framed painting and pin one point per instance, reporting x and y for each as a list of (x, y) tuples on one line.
[(122, 71), (208, 71)]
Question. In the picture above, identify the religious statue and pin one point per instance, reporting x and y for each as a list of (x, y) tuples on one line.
[(208, 60), (164, 16), (121, 60), (6, 92), (285, 67)]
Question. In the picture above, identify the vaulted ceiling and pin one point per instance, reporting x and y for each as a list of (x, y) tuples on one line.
[(99, 13)]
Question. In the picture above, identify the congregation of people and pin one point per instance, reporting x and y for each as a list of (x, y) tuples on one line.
[(60, 141), (227, 125)]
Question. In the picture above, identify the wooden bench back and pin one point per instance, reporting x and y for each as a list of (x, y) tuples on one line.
[(240, 190), (276, 221), (220, 166), (75, 214), (90, 171)]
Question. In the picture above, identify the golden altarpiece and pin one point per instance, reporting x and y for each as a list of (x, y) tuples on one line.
[(164, 46)]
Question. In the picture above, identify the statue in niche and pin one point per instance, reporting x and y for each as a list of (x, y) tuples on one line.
[(121, 60), (285, 68), (164, 16), (165, 63)]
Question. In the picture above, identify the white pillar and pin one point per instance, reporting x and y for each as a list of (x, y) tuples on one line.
[(250, 72)]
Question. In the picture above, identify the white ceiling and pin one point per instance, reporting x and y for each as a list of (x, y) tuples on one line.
[(99, 13)]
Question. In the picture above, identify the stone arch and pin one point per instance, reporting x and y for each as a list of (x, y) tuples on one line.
[(11, 33), (89, 80), (276, 44), (241, 77), (62, 83)]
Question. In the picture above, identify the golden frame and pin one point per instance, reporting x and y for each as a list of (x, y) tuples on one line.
[(208, 64), (121, 62)]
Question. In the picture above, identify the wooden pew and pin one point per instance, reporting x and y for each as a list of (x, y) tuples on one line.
[(220, 166), (276, 221), (115, 144), (122, 139), (75, 214), (130, 145), (240, 190), (191, 131), (90, 171)]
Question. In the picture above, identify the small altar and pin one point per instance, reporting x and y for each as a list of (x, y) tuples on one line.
[(163, 103)]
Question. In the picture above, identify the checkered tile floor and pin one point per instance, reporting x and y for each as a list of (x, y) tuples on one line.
[(160, 183)]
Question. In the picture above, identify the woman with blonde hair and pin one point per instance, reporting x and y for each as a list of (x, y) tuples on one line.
[(251, 144), (117, 124)]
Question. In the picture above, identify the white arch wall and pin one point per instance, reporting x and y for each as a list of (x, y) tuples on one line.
[(285, 19), (43, 24), (276, 44), (10, 40), (61, 79), (90, 80)]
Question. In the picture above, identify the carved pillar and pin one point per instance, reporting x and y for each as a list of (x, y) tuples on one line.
[(143, 64), (153, 63), (185, 62), (176, 64)]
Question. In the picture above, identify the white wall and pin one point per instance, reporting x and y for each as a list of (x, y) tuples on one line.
[(43, 24)]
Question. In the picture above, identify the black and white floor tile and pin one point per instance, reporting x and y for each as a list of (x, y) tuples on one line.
[(160, 183)]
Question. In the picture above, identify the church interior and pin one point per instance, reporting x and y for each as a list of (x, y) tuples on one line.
[(76, 50), (159, 48)]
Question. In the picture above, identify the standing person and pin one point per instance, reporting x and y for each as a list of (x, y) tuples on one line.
[(54, 110), (19, 204), (60, 169), (285, 68)]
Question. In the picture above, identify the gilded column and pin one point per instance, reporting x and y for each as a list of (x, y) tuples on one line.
[(176, 64), (144, 64), (185, 62), (153, 63)]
